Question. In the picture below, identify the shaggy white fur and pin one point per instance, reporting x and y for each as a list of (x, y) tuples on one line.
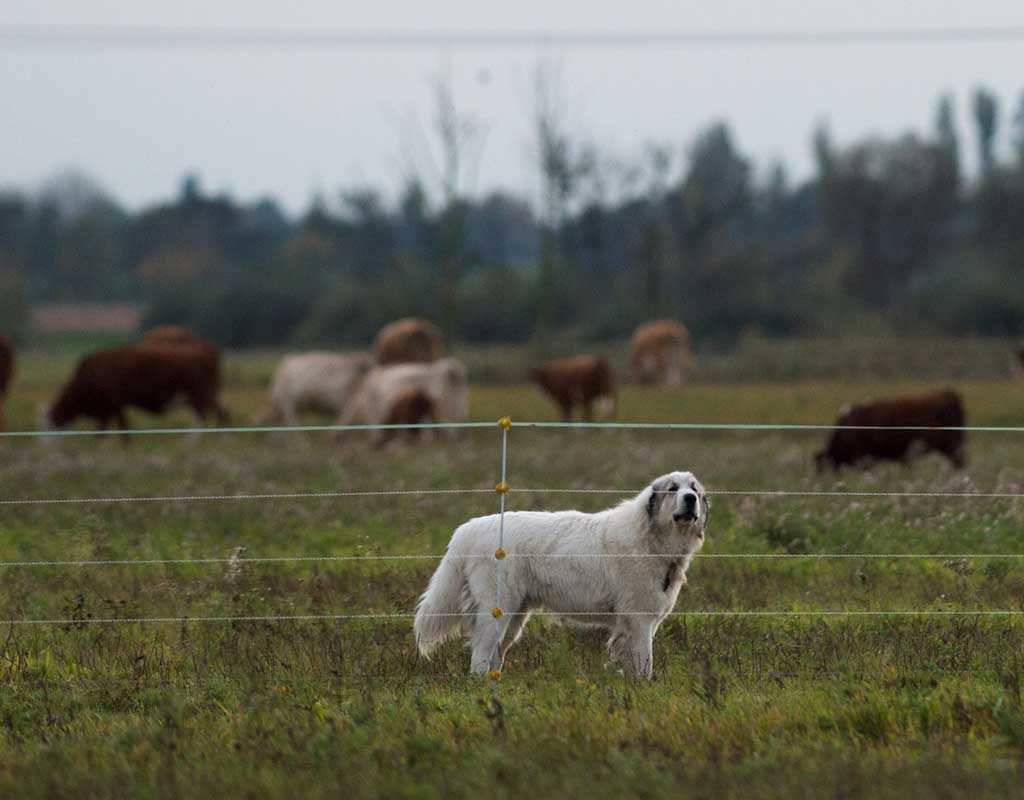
[(575, 565)]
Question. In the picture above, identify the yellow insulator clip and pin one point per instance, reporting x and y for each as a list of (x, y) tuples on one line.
[(497, 613), (499, 554), (505, 423), (494, 675), (502, 488)]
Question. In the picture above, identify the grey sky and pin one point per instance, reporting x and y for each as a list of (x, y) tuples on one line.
[(259, 121)]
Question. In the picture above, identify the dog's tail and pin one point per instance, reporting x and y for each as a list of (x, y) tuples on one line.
[(439, 613)]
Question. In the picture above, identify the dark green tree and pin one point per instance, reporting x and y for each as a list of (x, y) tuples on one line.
[(945, 131), (986, 118)]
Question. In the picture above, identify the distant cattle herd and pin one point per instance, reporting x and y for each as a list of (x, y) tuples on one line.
[(407, 380)]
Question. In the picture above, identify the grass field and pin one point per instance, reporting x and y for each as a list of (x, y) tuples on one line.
[(859, 706)]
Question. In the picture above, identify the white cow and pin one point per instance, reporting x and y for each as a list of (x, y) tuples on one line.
[(446, 381), (319, 382)]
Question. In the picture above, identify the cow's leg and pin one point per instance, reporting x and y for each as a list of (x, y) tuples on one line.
[(122, 422), (957, 457), (588, 412), (289, 416)]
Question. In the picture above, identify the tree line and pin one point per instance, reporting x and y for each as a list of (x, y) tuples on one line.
[(888, 234)]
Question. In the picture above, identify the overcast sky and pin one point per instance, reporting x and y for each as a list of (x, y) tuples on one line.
[(290, 122)]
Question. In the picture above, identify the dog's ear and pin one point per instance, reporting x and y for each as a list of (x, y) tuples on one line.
[(656, 488), (707, 511)]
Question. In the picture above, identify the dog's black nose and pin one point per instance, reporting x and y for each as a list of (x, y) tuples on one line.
[(689, 500)]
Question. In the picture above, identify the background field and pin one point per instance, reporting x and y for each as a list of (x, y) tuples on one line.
[(808, 706)]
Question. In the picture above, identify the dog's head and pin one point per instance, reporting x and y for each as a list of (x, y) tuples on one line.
[(677, 502)]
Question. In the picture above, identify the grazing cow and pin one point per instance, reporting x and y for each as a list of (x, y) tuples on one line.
[(411, 406), (445, 382), (6, 371), (182, 339), (317, 382), (847, 445), (660, 352), (407, 341), (143, 376), (578, 381)]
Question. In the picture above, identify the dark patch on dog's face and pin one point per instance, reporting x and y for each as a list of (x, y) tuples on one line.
[(659, 489)]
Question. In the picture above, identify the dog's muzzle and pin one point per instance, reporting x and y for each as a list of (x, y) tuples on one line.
[(689, 510)]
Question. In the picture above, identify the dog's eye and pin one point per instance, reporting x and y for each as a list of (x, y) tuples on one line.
[(673, 487)]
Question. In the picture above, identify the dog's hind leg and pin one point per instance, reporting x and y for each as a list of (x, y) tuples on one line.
[(513, 631)]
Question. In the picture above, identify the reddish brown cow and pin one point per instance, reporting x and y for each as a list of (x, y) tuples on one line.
[(183, 340), (6, 371), (926, 413), (577, 381), (143, 376), (408, 341), (411, 406)]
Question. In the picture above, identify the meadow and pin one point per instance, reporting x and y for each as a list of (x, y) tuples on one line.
[(800, 706)]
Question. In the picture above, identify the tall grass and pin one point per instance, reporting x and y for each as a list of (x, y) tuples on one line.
[(741, 707)]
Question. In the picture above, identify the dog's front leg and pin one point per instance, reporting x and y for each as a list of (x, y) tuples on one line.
[(485, 654), (631, 646)]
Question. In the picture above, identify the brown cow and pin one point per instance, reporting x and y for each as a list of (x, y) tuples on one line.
[(411, 406), (184, 340), (577, 381), (660, 352), (143, 376), (6, 371), (926, 413), (407, 341)]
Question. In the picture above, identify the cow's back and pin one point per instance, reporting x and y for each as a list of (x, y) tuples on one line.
[(889, 429), (406, 341), (444, 380), (144, 376), (319, 380)]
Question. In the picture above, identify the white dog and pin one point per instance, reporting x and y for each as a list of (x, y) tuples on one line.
[(619, 569)]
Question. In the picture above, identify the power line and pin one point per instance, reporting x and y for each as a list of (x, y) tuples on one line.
[(169, 37), (240, 560), (408, 615), (184, 498), (205, 498), (636, 426)]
